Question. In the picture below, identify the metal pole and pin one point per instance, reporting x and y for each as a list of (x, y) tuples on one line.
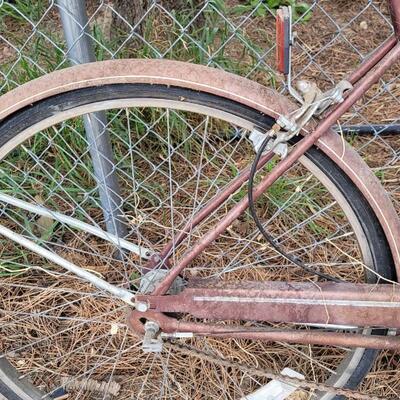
[(80, 50)]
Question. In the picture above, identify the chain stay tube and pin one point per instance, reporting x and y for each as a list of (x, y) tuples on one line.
[(302, 336), (307, 142), (345, 304)]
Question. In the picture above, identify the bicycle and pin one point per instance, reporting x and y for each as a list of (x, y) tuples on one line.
[(182, 136)]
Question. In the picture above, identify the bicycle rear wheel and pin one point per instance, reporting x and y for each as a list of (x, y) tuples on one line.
[(174, 149)]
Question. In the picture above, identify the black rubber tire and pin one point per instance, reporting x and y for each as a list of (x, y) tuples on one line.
[(382, 259)]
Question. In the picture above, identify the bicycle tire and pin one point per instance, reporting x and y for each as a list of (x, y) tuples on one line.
[(381, 260)]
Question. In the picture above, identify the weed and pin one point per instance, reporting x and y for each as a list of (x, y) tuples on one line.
[(301, 11), (23, 10)]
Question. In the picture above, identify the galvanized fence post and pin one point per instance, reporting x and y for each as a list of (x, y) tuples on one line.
[(80, 50)]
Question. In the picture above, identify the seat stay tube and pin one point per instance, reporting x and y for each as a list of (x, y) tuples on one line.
[(394, 7), (212, 205), (306, 143), (372, 60)]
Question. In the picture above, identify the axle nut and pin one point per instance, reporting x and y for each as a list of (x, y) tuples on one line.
[(141, 307)]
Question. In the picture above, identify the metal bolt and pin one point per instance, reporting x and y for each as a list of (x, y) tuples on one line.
[(303, 86), (141, 307), (286, 123), (151, 328), (151, 343)]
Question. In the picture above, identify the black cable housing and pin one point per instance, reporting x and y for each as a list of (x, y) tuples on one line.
[(260, 227)]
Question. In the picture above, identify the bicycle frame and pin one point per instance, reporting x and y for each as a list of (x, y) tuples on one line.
[(233, 303), (368, 73), (362, 78)]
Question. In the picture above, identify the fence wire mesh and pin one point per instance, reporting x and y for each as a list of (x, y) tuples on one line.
[(332, 37)]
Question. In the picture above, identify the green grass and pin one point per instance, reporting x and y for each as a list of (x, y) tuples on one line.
[(195, 41), (300, 10), (21, 10), (11, 266), (204, 39)]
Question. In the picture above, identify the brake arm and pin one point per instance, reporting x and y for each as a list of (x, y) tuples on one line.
[(333, 96), (314, 104), (310, 93)]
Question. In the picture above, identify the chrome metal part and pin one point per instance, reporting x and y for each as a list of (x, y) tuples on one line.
[(314, 103), (333, 96), (275, 389), (177, 335), (287, 123), (142, 306), (294, 123), (281, 149), (115, 291), (310, 93), (143, 252), (257, 138), (152, 342)]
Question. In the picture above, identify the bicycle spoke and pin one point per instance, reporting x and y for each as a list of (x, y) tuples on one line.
[(170, 164)]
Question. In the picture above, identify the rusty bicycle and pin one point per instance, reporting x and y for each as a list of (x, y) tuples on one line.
[(245, 225)]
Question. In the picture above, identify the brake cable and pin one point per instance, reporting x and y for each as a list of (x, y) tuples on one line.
[(260, 226)]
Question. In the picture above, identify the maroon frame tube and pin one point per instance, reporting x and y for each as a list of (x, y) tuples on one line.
[(394, 7), (318, 338), (172, 325), (346, 304), (212, 205), (372, 60), (355, 94)]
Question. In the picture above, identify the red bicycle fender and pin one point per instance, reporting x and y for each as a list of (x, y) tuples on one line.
[(224, 84)]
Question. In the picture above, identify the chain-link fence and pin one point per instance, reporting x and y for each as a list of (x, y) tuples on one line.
[(332, 37), (237, 36)]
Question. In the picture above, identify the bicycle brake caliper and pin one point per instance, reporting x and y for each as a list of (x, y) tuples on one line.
[(313, 101), (314, 104)]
